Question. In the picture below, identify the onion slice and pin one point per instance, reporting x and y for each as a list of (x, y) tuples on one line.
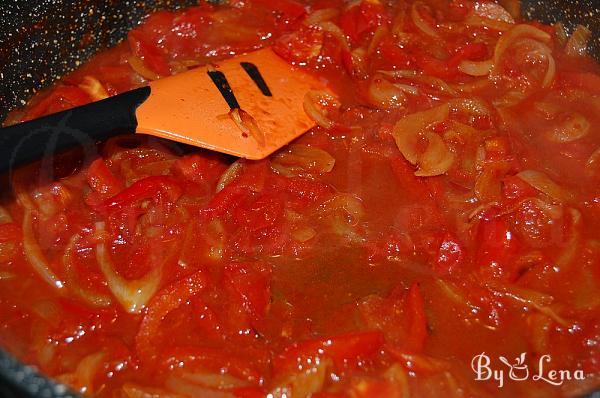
[(34, 253), (406, 129), (544, 184), (132, 294), (317, 105)]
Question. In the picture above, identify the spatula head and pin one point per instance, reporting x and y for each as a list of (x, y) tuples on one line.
[(190, 108)]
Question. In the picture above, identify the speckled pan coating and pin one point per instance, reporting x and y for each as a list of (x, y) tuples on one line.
[(42, 40)]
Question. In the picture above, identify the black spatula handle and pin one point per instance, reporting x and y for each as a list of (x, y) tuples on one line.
[(81, 126)]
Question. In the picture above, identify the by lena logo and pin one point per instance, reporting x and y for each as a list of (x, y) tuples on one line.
[(518, 370)]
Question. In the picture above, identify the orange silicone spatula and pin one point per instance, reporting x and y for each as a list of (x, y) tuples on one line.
[(247, 106)]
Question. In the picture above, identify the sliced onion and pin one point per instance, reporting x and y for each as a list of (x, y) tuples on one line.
[(134, 391), (380, 33), (82, 379), (592, 165), (493, 11), (231, 174), (247, 124), (578, 42), (90, 297), (475, 20), (336, 32), (544, 184), (34, 253), (138, 66), (6, 275), (189, 389), (359, 63), (317, 105), (476, 68), (302, 384), (407, 129), (414, 75), (531, 298), (561, 33), (545, 51), (420, 22), (302, 160), (133, 295), (384, 94), (344, 211), (470, 106), (5, 216), (93, 88), (436, 159), (322, 15), (513, 7), (214, 380), (512, 35), (575, 127), (303, 234)]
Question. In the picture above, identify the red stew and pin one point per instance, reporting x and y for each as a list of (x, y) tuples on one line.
[(445, 210)]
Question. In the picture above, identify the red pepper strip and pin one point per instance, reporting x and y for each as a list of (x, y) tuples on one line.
[(417, 323), (146, 188), (165, 301), (10, 232), (339, 348)]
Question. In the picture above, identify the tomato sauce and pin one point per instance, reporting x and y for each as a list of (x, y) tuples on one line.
[(444, 208)]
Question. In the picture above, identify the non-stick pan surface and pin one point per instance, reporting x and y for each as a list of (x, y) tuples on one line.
[(45, 39)]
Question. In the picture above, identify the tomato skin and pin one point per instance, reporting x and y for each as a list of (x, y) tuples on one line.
[(250, 285), (60, 99), (165, 301), (339, 348), (149, 53), (102, 180), (10, 232), (225, 200), (301, 46), (146, 188)]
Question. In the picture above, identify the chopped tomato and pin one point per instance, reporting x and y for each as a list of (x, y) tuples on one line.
[(10, 232), (102, 180), (362, 18), (154, 187), (251, 288), (450, 255), (60, 99), (340, 349), (165, 301), (151, 54)]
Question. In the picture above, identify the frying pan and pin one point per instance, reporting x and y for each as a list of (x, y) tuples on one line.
[(45, 39)]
